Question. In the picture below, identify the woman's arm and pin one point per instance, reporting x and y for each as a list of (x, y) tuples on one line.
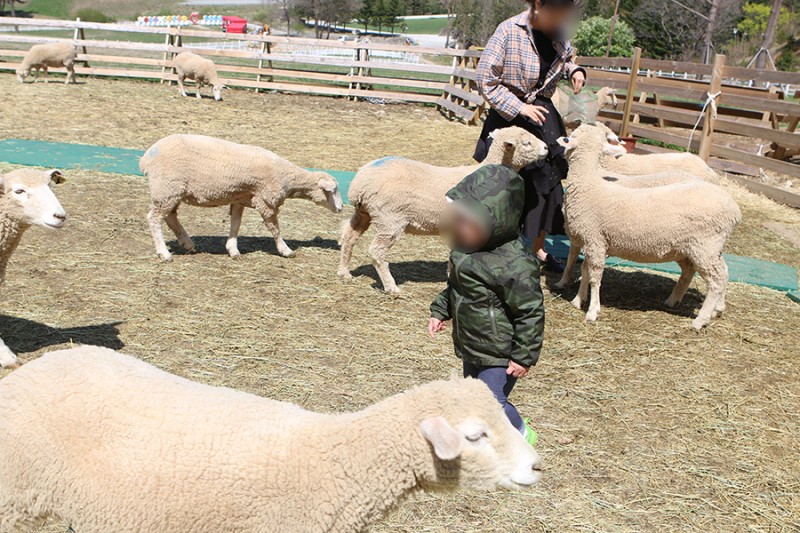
[(574, 72), (490, 74)]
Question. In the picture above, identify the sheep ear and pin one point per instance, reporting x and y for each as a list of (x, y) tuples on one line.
[(509, 144), (440, 434), (613, 150), (327, 184), (56, 176)]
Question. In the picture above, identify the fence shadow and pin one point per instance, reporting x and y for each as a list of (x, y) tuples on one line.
[(215, 245)]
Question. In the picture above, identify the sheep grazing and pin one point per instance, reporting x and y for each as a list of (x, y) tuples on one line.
[(114, 444), (43, 56), (399, 196), (686, 222), (191, 66), (25, 200), (208, 172)]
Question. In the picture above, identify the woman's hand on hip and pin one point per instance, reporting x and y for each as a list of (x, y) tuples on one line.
[(578, 80), (536, 113)]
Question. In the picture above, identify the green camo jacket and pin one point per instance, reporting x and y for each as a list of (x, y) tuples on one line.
[(493, 296)]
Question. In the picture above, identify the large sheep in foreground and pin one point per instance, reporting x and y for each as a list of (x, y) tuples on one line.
[(399, 195), (44, 56), (25, 200), (191, 66), (208, 172), (685, 222), (108, 443)]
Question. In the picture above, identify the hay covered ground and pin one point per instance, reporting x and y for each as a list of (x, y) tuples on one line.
[(644, 424)]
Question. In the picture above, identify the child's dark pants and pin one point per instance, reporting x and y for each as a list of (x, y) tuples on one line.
[(500, 384)]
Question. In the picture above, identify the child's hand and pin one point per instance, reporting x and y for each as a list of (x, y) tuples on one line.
[(435, 326), (516, 370)]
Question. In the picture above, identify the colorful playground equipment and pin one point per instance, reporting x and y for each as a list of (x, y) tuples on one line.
[(181, 20)]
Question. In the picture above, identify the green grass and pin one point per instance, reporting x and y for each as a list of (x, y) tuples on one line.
[(432, 26), (60, 9)]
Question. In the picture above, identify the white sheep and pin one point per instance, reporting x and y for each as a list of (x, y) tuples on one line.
[(649, 180), (685, 222), (25, 200), (208, 172), (42, 56), (105, 442), (399, 195), (189, 65), (641, 164)]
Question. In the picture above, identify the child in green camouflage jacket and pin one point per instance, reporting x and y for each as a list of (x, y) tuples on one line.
[(493, 295)]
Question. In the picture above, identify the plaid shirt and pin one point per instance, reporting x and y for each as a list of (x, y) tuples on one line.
[(509, 67)]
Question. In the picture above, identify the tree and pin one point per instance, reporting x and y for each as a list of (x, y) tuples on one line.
[(476, 20), (394, 9), (590, 39), (286, 8), (366, 14), (769, 34)]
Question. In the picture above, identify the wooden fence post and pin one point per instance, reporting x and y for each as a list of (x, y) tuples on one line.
[(80, 35), (629, 97), (710, 118)]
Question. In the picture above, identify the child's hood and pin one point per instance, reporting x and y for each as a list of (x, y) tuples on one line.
[(495, 194)]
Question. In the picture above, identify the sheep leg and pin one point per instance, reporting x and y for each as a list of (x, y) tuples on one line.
[(236, 222), (378, 250), (70, 73), (574, 251), (687, 274), (353, 230), (199, 86), (7, 357), (182, 89), (583, 291), (270, 217), (179, 231), (720, 308), (155, 218), (715, 276), (46, 74), (596, 266)]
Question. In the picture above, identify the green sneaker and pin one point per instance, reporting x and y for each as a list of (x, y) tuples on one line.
[(530, 434)]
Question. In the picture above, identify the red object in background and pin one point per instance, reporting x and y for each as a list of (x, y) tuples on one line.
[(630, 143), (234, 24)]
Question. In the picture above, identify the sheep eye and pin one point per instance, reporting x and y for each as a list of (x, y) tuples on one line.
[(19, 191), (477, 436)]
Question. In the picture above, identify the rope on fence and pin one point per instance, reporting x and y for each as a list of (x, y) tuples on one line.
[(712, 101)]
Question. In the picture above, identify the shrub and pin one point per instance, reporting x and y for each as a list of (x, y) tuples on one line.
[(89, 14), (592, 37)]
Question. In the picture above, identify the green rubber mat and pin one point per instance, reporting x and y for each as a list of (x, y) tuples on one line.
[(124, 161), (742, 269), (99, 158)]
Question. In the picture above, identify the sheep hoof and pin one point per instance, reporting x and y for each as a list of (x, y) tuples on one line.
[(236, 256), (699, 324), (165, 257), (345, 274), (289, 254), (391, 290), (591, 317), (577, 303), (8, 359), (671, 303)]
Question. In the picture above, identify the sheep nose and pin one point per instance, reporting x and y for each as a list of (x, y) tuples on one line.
[(60, 216), (537, 465)]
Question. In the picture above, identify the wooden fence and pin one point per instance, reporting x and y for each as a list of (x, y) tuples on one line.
[(750, 125)]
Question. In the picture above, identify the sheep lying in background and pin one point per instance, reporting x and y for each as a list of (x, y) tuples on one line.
[(191, 66), (25, 200), (114, 444), (43, 56), (400, 195), (684, 222), (208, 172)]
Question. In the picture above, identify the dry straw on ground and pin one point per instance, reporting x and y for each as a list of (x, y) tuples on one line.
[(644, 424)]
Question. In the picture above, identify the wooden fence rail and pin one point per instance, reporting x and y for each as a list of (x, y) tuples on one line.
[(751, 125)]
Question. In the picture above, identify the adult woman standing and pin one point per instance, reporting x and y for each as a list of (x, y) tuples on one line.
[(518, 72)]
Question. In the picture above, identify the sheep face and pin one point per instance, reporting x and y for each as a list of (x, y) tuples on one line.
[(30, 200), (22, 74), (587, 135), (217, 91), (520, 147), (326, 193), (476, 447)]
